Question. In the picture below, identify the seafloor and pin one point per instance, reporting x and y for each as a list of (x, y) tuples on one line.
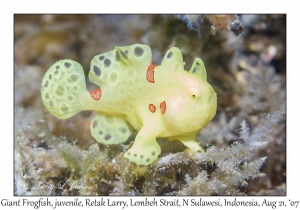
[(245, 143)]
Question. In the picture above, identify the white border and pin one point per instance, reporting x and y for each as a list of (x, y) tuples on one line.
[(157, 7)]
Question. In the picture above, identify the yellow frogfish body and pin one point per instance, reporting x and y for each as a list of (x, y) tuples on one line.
[(156, 100)]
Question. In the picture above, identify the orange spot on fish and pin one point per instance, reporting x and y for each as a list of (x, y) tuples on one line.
[(163, 107), (152, 108), (96, 94), (88, 123), (150, 73)]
